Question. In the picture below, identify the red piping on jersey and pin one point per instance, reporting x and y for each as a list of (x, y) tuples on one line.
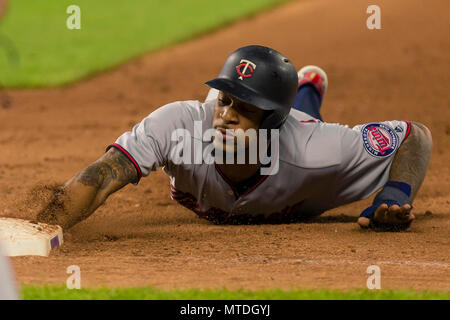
[(257, 184), (408, 131), (129, 156), (224, 177), (231, 184), (309, 121), (263, 178)]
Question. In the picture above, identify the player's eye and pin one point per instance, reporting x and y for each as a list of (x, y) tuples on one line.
[(223, 102), (247, 109)]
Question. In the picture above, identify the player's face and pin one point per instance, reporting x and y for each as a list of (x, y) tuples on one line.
[(232, 113)]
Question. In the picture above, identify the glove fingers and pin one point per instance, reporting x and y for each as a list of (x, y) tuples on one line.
[(364, 222), (381, 212), (386, 217)]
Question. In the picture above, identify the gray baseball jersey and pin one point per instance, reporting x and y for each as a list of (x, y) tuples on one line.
[(321, 165)]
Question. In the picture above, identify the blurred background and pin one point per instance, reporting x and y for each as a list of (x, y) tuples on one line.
[(67, 94), (43, 51)]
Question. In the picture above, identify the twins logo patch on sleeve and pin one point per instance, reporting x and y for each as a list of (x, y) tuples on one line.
[(379, 139)]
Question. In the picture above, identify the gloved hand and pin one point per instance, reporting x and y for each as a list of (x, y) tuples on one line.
[(390, 210)]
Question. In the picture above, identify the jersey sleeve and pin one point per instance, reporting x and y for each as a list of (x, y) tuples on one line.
[(148, 144), (367, 152)]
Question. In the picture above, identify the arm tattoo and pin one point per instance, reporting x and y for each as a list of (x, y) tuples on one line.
[(110, 173), (113, 166), (411, 161)]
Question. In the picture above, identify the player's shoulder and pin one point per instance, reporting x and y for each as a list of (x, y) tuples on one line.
[(300, 116), (310, 143), (192, 109), (180, 114), (381, 139)]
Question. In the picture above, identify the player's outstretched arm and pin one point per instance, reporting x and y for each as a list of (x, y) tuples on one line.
[(84, 193), (406, 174), (411, 161)]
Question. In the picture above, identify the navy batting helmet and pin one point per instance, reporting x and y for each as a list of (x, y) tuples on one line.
[(262, 77)]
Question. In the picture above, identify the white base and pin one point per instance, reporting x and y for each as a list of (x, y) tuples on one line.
[(23, 238)]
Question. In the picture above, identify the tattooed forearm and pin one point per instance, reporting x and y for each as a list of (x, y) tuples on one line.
[(113, 166), (411, 161), (92, 176), (84, 193)]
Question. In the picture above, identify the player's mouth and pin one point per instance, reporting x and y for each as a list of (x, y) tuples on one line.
[(226, 134)]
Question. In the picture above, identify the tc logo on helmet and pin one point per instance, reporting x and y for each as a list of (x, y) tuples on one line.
[(246, 65)]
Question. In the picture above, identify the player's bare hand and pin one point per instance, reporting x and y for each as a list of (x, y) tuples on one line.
[(393, 215)]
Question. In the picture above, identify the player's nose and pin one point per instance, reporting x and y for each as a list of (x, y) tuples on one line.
[(229, 115)]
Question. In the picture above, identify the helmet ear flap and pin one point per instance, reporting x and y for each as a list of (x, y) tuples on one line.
[(272, 120), (266, 114)]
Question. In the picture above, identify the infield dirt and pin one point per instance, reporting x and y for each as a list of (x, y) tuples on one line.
[(141, 237)]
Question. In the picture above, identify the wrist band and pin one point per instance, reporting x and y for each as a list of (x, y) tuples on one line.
[(403, 186), (394, 191)]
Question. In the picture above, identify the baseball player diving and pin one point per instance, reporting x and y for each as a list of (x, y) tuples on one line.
[(257, 151)]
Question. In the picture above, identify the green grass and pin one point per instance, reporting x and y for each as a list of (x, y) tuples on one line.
[(37, 49), (147, 293)]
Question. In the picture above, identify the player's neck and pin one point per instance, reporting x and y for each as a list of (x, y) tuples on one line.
[(239, 172)]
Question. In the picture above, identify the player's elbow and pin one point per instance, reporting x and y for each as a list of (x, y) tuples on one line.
[(422, 135)]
